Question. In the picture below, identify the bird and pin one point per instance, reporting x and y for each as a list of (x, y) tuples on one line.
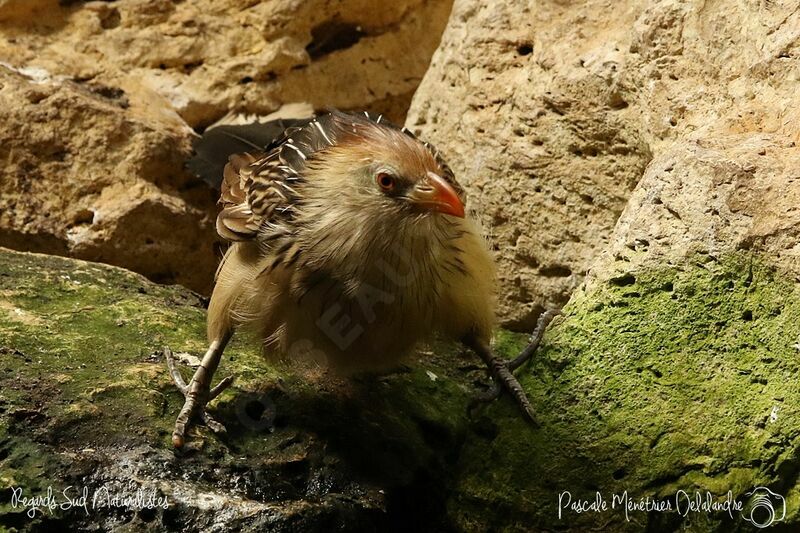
[(349, 237)]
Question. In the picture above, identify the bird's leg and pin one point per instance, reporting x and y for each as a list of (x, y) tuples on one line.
[(198, 392), (536, 338), (502, 370)]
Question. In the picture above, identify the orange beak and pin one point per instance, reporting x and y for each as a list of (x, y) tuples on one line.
[(435, 194)]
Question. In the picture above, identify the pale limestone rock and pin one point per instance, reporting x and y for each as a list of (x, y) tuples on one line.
[(207, 58), (83, 176), (551, 112), (704, 199)]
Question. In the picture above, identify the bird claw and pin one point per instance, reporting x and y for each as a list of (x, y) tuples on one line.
[(221, 386), (488, 395), (180, 383), (483, 397), (197, 394), (505, 380), (212, 424), (502, 370)]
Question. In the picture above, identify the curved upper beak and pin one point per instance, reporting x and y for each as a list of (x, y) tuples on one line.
[(435, 194)]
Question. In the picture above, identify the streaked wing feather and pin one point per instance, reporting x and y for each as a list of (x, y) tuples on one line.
[(259, 192)]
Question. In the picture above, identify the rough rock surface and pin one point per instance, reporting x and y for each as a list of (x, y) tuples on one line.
[(552, 114), (710, 198), (83, 176), (85, 400), (98, 101), (207, 58)]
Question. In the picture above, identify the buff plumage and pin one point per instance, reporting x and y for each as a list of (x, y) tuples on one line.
[(349, 239)]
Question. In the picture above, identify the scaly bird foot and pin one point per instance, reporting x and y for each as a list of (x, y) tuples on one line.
[(502, 371), (198, 393)]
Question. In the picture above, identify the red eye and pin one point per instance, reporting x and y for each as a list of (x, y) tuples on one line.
[(385, 180)]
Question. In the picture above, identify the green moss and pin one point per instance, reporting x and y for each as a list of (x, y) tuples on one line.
[(84, 339), (81, 369), (653, 382)]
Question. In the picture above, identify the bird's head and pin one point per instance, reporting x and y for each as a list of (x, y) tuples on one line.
[(375, 165)]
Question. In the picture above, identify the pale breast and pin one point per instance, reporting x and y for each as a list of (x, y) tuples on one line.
[(368, 308)]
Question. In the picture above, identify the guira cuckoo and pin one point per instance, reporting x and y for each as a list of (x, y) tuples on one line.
[(349, 237)]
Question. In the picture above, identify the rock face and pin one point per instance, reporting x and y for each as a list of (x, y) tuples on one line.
[(670, 374), (84, 176), (670, 377), (711, 198), (645, 152), (552, 115), (99, 102), (208, 58)]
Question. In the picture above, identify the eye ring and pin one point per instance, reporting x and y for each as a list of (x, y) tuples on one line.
[(385, 181)]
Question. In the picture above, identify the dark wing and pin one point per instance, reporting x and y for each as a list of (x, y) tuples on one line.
[(259, 190), (212, 150)]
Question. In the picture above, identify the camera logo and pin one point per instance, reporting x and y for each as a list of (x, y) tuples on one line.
[(764, 507), (256, 413)]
